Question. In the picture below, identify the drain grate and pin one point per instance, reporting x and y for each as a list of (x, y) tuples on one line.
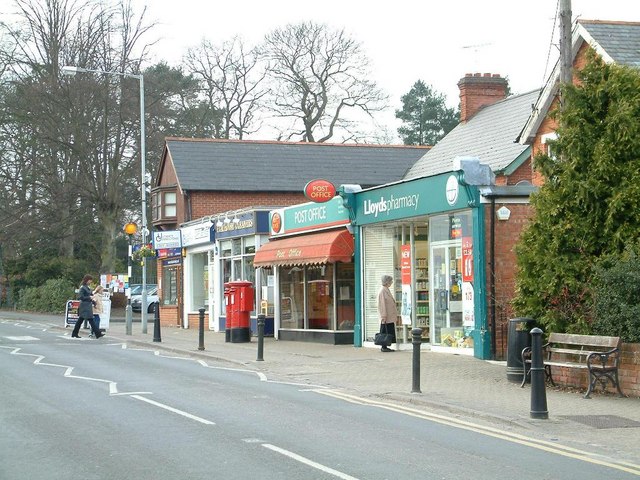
[(603, 421)]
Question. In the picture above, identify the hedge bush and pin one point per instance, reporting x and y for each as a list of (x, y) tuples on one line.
[(50, 297), (617, 296)]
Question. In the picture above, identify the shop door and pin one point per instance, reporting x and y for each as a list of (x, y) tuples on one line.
[(446, 292)]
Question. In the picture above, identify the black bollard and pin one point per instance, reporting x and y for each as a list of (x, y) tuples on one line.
[(260, 337), (416, 340), (156, 323), (201, 329), (538, 392)]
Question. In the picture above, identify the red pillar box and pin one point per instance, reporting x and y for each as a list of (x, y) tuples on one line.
[(241, 329), (230, 302)]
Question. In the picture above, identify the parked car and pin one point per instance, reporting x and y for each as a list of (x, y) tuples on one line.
[(152, 298)]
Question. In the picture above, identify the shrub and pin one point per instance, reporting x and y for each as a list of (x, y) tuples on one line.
[(50, 297), (617, 296)]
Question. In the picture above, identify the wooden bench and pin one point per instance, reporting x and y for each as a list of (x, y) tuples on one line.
[(598, 354)]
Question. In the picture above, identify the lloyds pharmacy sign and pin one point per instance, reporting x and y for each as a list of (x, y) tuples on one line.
[(422, 196)]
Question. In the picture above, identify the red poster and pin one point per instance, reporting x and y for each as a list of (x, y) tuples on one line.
[(405, 264), (467, 259)]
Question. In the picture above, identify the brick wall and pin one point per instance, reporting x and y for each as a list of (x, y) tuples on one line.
[(194, 320), (211, 202), (628, 373), (507, 234), (169, 316)]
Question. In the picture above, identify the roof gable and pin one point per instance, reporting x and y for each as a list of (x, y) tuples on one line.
[(489, 136), (239, 165), (615, 42)]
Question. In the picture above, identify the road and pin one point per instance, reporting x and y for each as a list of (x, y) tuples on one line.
[(98, 409)]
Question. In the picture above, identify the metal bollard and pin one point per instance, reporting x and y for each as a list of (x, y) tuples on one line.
[(156, 323), (416, 340), (201, 329), (260, 337), (538, 392), (128, 318)]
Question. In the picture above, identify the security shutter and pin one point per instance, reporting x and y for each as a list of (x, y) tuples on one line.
[(379, 260)]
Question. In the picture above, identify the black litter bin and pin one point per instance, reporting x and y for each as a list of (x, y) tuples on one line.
[(518, 339)]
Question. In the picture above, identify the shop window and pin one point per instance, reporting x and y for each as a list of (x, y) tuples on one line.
[(451, 314), (236, 256), (169, 285), (345, 292), (320, 297), (384, 246), (199, 280), (292, 297)]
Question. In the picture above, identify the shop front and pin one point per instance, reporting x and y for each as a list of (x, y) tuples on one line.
[(198, 242), (219, 249), (168, 247), (428, 234), (310, 254), (238, 235)]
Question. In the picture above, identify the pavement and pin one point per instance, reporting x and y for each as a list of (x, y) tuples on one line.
[(455, 387)]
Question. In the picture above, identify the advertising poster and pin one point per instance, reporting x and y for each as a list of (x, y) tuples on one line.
[(467, 259), (405, 275), (71, 312), (467, 305)]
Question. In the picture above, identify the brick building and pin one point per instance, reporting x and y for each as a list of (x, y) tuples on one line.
[(216, 181)]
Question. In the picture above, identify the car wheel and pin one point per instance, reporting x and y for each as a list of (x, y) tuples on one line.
[(152, 307)]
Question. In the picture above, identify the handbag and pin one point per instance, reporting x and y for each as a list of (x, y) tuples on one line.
[(383, 339)]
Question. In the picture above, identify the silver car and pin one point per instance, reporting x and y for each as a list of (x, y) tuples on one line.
[(152, 299)]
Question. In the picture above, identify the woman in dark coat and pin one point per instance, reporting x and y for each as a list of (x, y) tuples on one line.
[(85, 310)]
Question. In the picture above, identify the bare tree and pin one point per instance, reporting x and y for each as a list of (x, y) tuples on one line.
[(232, 82), (76, 156), (318, 75)]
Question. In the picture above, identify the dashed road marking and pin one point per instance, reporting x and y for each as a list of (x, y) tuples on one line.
[(309, 462), (174, 410)]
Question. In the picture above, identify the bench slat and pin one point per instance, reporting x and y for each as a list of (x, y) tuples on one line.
[(584, 340)]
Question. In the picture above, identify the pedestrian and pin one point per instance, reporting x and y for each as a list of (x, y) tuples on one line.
[(97, 306), (388, 311), (85, 310)]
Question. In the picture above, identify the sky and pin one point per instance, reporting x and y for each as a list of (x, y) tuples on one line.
[(436, 41)]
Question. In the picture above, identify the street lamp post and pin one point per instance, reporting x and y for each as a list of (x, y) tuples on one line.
[(71, 70), (130, 229)]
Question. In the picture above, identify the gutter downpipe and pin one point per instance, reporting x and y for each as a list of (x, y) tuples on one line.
[(492, 277)]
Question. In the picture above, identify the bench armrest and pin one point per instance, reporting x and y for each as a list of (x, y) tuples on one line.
[(601, 359)]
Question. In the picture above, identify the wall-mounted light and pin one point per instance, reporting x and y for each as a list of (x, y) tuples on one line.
[(235, 218), (503, 213), (219, 222), (226, 219)]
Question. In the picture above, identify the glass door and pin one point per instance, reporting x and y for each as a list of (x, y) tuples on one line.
[(446, 293)]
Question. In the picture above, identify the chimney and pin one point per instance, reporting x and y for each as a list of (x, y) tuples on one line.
[(478, 90)]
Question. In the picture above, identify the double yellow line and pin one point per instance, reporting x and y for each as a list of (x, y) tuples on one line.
[(551, 447)]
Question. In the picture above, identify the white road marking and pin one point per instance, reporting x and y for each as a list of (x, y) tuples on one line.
[(25, 338), (174, 410), (309, 462)]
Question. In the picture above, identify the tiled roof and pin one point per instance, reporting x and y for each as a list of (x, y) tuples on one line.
[(238, 165), (619, 40), (489, 136)]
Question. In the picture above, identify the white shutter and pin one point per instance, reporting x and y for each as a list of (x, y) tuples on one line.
[(378, 258)]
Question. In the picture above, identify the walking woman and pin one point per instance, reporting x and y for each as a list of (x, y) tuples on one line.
[(85, 310)]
